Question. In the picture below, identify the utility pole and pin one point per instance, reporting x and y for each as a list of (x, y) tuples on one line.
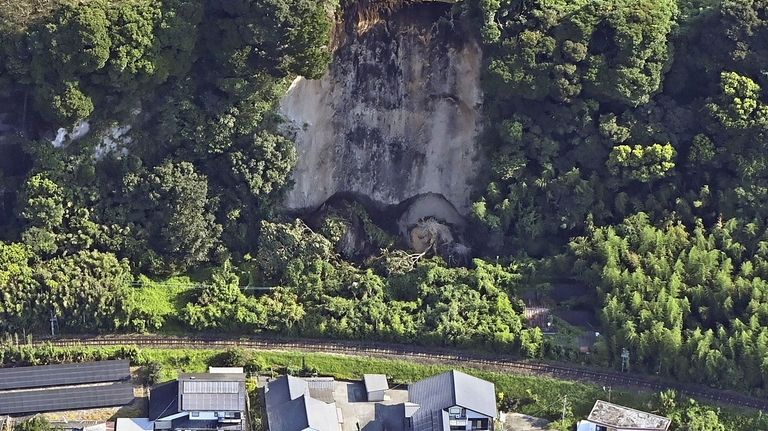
[(565, 406), (624, 360), (54, 324), (608, 389)]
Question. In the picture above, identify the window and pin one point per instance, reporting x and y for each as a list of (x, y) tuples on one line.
[(456, 412), (195, 414)]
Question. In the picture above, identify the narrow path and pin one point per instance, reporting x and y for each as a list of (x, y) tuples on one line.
[(446, 356)]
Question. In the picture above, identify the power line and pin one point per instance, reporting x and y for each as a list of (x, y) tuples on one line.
[(140, 284)]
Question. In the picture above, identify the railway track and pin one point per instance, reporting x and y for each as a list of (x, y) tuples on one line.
[(422, 354)]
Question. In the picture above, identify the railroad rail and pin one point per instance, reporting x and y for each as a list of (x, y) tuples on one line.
[(500, 362)]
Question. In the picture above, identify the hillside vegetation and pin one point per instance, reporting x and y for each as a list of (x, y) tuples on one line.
[(627, 144)]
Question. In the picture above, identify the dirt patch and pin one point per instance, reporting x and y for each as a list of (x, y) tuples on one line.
[(521, 422)]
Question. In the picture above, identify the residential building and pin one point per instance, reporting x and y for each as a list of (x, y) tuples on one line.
[(453, 401), (290, 407), (613, 417), (200, 402)]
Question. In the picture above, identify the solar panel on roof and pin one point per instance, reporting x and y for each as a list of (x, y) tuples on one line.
[(64, 374), (84, 397), (202, 387), (212, 402)]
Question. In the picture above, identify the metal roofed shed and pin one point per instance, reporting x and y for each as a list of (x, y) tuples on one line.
[(64, 374), (623, 418), (375, 385), (68, 398)]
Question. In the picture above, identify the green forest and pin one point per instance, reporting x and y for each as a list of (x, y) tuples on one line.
[(628, 152)]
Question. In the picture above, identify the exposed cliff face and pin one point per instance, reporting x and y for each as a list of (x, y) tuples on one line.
[(395, 116)]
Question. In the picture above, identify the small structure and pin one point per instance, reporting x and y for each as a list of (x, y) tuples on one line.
[(134, 424), (453, 400), (225, 370), (290, 407), (200, 402), (375, 386), (612, 417)]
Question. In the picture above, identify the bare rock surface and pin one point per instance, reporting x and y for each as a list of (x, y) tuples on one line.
[(395, 116)]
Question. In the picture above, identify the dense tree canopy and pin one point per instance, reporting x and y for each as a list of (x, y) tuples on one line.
[(626, 143)]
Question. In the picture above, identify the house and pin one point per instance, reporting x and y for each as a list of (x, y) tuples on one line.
[(291, 407), (452, 401), (375, 386), (612, 417), (200, 402)]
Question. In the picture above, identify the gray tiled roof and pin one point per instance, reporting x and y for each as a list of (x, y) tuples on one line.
[(291, 408), (321, 388), (452, 388), (285, 388), (301, 413)]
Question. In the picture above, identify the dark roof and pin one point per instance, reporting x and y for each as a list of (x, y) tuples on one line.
[(185, 423), (63, 374), (212, 392), (290, 406), (164, 400), (452, 388), (284, 389), (301, 413), (74, 398)]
